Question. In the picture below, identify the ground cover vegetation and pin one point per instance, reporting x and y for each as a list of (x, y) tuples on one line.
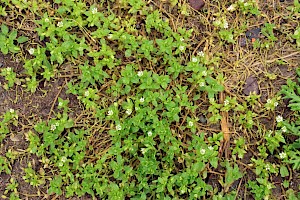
[(134, 99)]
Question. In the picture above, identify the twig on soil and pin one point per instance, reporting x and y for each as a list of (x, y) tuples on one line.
[(238, 189), (55, 99), (225, 144), (12, 25), (275, 59)]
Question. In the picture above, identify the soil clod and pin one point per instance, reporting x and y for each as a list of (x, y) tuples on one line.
[(242, 41), (251, 86), (197, 4), (253, 33)]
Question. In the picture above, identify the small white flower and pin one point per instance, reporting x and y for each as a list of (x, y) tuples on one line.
[(181, 39), (53, 127), (63, 159), (60, 104), (87, 93), (181, 48), (118, 127), (204, 73), (231, 7), (60, 24), (149, 133), (267, 167), (282, 155), (202, 151), (31, 51), (47, 20), (128, 111), (11, 110), (142, 99), (60, 164), (110, 36), (283, 129), (269, 101), (94, 10), (140, 73), (110, 112), (269, 134), (191, 123), (143, 150), (211, 148), (275, 104), (8, 69), (194, 60), (279, 119), (201, 84), (200, 53), (225, 25), (226, 102)]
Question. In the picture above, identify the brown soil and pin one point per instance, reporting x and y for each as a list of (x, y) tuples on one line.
[(41, 105), (31, 107)]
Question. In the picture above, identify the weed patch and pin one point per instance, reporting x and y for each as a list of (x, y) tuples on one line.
[(163, 106)]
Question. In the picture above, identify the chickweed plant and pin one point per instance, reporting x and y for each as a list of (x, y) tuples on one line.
[(152, 123), (148, 157)]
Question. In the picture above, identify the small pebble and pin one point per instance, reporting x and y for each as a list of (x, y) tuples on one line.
[(197, 4), (251, 86), (202, 119), (253, 33), (242, 41)]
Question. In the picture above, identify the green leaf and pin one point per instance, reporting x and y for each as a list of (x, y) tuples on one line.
[(13, 35), (22, 39), (286, 184), (4, 29), (41, 127), (284, 171), (232, 174), (214, 162), (4, 50), (14, 49), (55, 185), (128, 53)]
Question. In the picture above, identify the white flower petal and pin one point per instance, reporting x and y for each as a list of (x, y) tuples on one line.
[(279, 119), (194, 60), (118, 127), (202, 151)]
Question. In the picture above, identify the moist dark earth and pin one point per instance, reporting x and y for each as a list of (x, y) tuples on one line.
[(32, 107), (41, 105)]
